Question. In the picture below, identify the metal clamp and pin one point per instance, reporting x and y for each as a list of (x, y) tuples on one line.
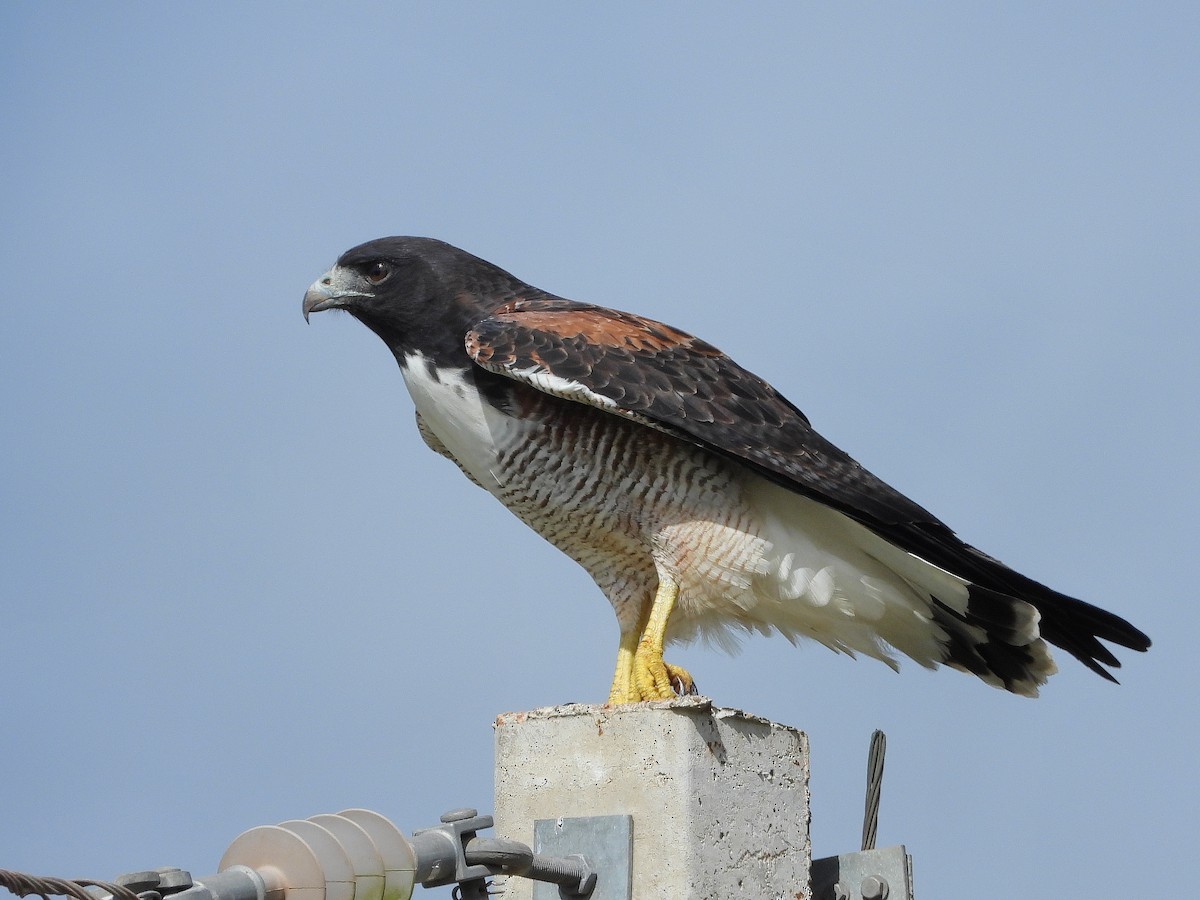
[(451, 852)]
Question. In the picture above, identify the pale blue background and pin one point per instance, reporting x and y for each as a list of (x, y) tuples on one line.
[(238, 589)]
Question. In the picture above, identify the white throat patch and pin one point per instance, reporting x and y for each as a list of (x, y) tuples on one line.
[(470, 428)]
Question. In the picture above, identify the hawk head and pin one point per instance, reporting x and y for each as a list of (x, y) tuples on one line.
[(415, 293)]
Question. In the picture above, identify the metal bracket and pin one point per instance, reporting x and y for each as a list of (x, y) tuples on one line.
[(606, 841), (884, 874)]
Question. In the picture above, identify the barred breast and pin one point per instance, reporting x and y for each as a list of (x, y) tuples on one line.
[(626, 502)]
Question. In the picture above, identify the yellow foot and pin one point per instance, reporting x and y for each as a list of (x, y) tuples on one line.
[(656, 679), (651, 678)]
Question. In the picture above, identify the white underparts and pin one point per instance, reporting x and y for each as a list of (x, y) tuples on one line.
[(470, 430)]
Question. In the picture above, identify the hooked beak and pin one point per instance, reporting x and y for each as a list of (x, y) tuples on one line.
[(332, 291)]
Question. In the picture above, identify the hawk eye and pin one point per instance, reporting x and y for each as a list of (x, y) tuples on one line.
[(378, 272)]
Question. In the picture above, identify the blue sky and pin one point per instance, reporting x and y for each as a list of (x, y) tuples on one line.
[(238, 589)]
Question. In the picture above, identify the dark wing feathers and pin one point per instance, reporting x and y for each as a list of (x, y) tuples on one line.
[(1066, 622), (670, 380), (686, 387)]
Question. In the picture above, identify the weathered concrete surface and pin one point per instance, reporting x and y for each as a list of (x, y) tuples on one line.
[(719, 798)]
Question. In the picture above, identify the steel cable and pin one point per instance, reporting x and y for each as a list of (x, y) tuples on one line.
[(874, 783), (24, 885)]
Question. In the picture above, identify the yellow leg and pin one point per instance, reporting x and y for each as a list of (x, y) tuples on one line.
[(641, 672), (622, 686)]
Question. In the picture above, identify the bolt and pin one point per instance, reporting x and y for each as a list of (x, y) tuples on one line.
[(874, 888), (139, 881), (173, 879), (457, 815), (572, 874), (840, 893)]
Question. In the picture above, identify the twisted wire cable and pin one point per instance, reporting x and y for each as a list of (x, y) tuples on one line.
[(874, 784), (25, 885)]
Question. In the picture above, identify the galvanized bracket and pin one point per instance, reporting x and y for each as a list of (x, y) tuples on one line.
[(884, 874), (606, 842)]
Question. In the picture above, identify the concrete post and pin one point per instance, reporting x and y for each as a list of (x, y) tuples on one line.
[(719, 798)]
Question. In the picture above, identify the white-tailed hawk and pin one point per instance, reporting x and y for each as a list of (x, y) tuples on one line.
[(698, 497)]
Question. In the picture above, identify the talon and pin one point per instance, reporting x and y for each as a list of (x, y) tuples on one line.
[(682, 682)]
